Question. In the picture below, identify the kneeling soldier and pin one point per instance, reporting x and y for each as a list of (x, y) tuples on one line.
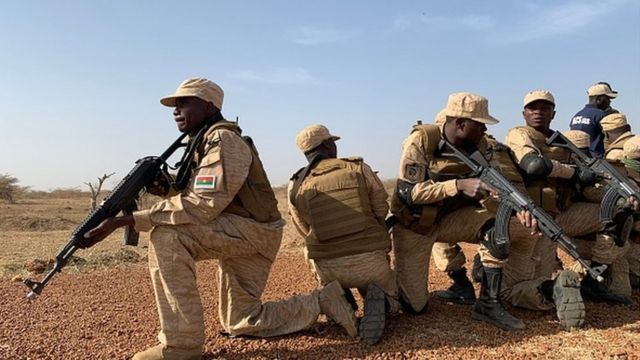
[(339, 206)]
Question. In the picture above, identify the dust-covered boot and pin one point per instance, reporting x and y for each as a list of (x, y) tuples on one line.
[(375, 312), (461, 291), (163, 352), (564, 292), (488, 306), (335, 306), (593, 290), (477, 269)]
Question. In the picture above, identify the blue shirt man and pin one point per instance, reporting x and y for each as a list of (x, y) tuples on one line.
[(588, 119)]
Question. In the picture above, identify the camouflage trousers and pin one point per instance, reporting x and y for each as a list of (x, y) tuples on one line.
[(358, 271), (603, 250), (532, 259), (413, 251), (245, 250)]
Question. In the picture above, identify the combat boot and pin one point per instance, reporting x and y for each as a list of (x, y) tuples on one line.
[(461, 291), (163, 352), (375, 311), (489, 308), (335, 306), (592, 289), (477, 269), (564, 292)]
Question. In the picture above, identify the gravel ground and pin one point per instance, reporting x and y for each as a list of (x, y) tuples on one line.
[(110, 314)]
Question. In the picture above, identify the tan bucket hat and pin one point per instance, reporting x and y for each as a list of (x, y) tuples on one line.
[(441, 117), (631, 148), (201, 88), (579, 138), (613, 121), (536, 95), (469, 106), (602, 89), (312, 136)]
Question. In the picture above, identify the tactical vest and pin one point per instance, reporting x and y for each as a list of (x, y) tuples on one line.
[(552, 194), (255, 199), (420, 218), (333, 199)]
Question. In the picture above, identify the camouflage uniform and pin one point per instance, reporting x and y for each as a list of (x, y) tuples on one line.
[(435, 207), (631, 160), (227, 212), (339, 206)]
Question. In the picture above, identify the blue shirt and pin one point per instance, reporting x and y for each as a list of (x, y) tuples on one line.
[(588, 120)]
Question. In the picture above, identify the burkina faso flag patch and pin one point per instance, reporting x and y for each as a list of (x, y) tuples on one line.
[(205, 182)]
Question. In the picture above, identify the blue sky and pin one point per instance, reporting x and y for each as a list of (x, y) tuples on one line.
[(81, 80)]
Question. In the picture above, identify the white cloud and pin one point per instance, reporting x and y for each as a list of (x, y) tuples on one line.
[(308, 35), (544, 21), (278, 76), (462, 22)]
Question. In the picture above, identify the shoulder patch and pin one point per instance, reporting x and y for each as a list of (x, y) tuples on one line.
[(204, 182), (414, 172)]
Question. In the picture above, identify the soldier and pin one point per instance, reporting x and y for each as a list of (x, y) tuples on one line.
[(550, 180), (616, 133), (588, 119), (631, 160), (435, 202), (225, 210), (339, 206), (450, 259)]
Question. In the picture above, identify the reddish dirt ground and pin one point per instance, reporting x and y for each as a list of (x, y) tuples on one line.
[(110, 314)]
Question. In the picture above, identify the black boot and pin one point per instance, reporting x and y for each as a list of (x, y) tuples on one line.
[(477, 269), (461, 291), (564, 292), (489, 308), (375, 310), (593, 290)]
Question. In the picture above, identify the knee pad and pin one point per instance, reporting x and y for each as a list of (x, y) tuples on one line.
[(498, 248)]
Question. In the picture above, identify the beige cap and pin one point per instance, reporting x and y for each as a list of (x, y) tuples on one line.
[(312, 136), (536, 95), (579, 138), (441, 117), (201, 88), (613, 121), (631, 148), (602, 89), (469, 106)]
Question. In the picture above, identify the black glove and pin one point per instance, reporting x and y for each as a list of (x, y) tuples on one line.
[(585, 176)]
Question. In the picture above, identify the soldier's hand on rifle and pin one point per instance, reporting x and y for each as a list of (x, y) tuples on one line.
[(105, 229), (475, 188), (585, 175), (528, 221)]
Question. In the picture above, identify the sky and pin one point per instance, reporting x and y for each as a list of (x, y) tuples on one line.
[(80, 81)]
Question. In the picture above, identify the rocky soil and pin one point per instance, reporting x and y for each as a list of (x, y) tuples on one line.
[(109, 313)]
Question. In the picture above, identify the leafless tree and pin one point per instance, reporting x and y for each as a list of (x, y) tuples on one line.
[(95, 189)]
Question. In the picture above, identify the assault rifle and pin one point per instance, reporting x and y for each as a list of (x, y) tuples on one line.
[(122, 199), (620, 187), (512, 199)]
